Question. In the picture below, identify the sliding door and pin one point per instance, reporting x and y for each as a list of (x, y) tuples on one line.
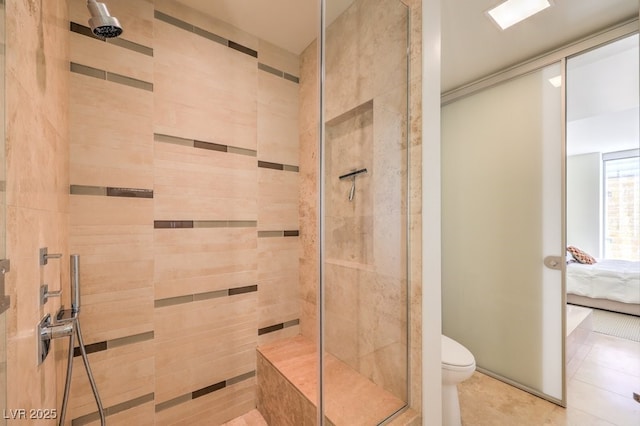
[(502, 210)]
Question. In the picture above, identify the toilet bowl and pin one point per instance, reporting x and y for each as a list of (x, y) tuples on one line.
[(458, 364)]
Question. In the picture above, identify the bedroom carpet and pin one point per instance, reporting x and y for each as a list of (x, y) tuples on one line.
[(616, 324)]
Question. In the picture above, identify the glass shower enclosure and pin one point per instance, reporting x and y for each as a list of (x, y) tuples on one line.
[(364, 209)]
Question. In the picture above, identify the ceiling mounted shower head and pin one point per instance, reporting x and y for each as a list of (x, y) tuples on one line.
[(102, 24)]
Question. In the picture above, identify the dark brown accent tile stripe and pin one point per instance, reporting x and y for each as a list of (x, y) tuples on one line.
[(242, 290), (179, 224), (128, 81), (82, 30), (110, 76), (3, 185), (278, 73), (278, 166), (119, 41), (291, 78), (291, 323), (271, 70), (110, 191), (92, 348), (210, 145), (173, 21), (87, 190), (203, 391), (172, 224), (272, 234), (243, 49), (268, 165), (172, 139), (211, 36), (270, 329), (114, 409), (176, 140), (204, 33), (241, 378), (115, 343), (140, 48), (88, 71), (288, 168), (188, 298), (276, 327), (179, 300), (129, 192)]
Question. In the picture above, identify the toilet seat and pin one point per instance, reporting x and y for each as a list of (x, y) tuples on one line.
[(456, 357)]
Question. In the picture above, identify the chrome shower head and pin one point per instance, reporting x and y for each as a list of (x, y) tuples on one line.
[(102, 24)]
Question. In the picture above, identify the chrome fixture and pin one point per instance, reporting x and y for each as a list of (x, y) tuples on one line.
[(47, 331), (45, 256), (67, 324), (353, 175), (45, 294), (101, 22)]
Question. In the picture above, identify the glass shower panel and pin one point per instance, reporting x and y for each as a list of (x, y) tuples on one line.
[(365, 200), (502, 212)]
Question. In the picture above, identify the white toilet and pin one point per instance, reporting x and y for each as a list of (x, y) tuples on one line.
[(458, 364)]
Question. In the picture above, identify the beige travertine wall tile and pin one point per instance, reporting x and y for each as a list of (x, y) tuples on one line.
[(95, 53), (203, 90), (207, 23), (278, 195), (215, 408), (136, 18), (122, 374), (277, 280), (197, 345), (278, 58), (277, 119), (199, 184), (278, 400), (37, 180), (142, 415), (111, 134), (191, 261), (113, 234), (308, 204)]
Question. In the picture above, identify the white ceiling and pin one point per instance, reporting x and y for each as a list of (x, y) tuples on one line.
[(474, 47), (602, 99)]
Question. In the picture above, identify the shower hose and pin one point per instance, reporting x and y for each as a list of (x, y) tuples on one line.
[(85, 359)]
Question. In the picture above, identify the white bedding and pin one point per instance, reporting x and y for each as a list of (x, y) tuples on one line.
[(617, 280)]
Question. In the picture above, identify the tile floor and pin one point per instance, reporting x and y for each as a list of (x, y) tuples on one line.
[(600, 382)]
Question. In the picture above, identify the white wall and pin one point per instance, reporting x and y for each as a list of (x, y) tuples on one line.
[(431, 233), (584, 210)]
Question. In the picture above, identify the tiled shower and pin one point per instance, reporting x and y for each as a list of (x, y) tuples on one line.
[(189, 189)]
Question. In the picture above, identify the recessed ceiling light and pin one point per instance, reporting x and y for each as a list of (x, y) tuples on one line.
[(513, 11)]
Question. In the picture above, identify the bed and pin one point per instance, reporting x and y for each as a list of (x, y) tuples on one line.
[(608, 284)]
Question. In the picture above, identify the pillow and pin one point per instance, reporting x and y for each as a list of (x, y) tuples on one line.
[(581, 256)]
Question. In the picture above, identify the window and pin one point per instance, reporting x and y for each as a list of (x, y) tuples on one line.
[(621, 205)]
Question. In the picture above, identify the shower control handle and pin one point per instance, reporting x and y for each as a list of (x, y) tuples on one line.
[(45, 294)]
